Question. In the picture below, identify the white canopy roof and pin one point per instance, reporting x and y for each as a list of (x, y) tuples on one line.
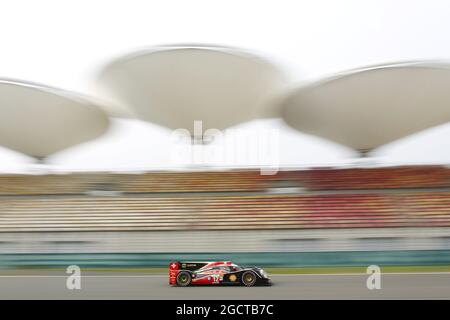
[(39, 121), (175, 86), (367, 108)]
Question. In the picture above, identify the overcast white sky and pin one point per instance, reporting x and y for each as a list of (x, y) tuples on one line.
[(64, 44)]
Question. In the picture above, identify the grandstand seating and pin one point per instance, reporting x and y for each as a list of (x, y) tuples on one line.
[(152, 182), (223, 181), (227, 181), (138, 213), (51, 184), (375, 178), (183, 200)]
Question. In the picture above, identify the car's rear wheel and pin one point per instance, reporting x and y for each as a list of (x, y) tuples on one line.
[(248, 278), (184, 279)]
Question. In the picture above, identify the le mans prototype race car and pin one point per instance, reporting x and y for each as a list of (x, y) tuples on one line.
[(183, 274)]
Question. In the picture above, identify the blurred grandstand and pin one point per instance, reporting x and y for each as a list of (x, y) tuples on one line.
[(312, 217), (386, 215)]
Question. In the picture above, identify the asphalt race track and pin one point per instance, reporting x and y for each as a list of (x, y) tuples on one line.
[(151, 286)]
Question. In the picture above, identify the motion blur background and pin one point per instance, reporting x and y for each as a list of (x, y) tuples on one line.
[(91, 173)]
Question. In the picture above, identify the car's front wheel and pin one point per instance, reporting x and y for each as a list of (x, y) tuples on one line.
[(184, 279), (248, 278)]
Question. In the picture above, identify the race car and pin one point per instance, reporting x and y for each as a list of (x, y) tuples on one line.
[(184, 273)]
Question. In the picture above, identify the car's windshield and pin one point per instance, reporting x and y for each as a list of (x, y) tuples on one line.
[(235, 268)]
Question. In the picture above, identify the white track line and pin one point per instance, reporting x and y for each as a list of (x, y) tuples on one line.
[(360, 274)]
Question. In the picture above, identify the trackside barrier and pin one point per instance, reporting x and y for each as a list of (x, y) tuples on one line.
[(266, 259)]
